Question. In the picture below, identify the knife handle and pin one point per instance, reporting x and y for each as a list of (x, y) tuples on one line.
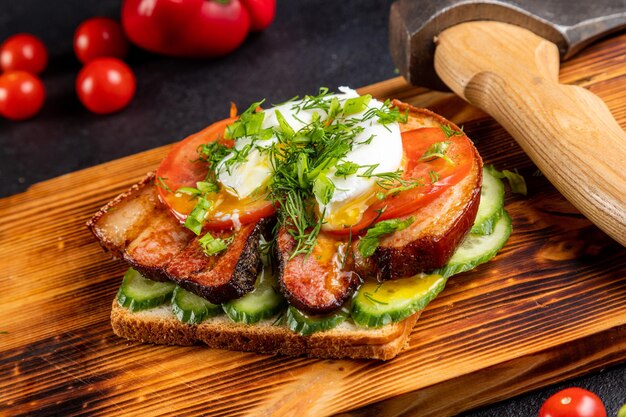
[(567, 131)]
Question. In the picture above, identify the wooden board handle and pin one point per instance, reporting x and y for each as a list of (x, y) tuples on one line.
[(568, 132)]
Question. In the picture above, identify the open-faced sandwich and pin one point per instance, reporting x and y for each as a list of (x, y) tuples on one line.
[(320, 227)]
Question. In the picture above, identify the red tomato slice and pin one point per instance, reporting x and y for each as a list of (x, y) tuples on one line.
[(181, 168), (415, 143)]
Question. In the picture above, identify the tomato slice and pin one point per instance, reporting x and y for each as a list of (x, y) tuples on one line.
[(435, 176), (181, 168)]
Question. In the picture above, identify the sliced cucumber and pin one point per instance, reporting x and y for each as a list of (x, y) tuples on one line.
[(262, 303), (192, 309), (491, 204), (306, 324), (378, 304), (477, 249), (140, 293)]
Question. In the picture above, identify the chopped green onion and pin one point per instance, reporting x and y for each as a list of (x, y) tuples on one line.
[(356, 104), (195, 219), (212, 246), (284, 126), (302, 166), (434, 176), (249, 123), (206, 187), (189, 190), (346, 168), (323, 188)]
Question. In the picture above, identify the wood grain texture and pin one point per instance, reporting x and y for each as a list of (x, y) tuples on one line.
[(568, 131), (550, 306)]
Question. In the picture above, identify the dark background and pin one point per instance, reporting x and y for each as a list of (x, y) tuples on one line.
[(311, 44)]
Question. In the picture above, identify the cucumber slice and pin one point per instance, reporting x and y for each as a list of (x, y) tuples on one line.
[(262, 303), (477, 249), (191, 308), (305, 324), (378, 304), (140, 293), (491, 205)]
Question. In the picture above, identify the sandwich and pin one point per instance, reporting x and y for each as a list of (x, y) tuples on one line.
[(322, 226)]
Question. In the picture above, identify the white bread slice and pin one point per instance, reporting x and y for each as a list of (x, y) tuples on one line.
[(160, 326)]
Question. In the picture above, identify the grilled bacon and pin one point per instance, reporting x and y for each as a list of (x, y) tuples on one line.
[(319, 282), (430, 241), (138, 228)]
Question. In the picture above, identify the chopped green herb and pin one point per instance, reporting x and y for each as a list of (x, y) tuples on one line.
[(161, 183), (370, 297), (284, 126), (516, 181), (346, 168), (437, 150), (434, 176), (449, 132), (189, 190), (248, 124), (371, 240), (323, 189), (206, 187), (195, 219), (212, 246), (356, 104)]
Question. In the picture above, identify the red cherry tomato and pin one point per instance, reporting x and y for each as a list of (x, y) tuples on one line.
[(181, 168), (21, 95), (99, 37), (261, 13), (415, 142), (105, 85), (23, 52), (573, 402)]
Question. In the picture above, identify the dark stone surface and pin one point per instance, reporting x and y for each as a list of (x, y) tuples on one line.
[(312, 43)]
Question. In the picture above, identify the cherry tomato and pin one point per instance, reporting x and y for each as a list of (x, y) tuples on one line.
[(21, 95), (23, 52), (105, 85), (181, 168), (261, 13), (435, 176), (99, 37), (573, 402)]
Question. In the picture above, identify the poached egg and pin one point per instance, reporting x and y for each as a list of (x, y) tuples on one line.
[(376, 148)]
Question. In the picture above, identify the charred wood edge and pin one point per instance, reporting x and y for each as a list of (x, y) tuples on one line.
[(244, 273), (506, 379), (92, 222)]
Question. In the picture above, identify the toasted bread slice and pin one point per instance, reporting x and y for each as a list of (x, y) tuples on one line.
[(159, 326)]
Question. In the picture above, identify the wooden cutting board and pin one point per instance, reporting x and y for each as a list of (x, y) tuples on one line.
[(550, 306)]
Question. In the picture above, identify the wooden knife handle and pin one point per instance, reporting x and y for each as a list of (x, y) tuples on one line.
[(568, 132)]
